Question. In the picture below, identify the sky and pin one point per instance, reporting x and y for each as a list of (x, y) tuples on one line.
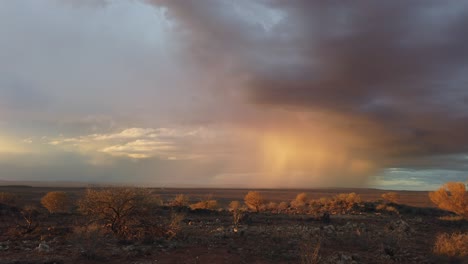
[(218, 93)]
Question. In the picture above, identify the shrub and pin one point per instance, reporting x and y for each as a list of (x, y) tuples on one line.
[(180, 200), (90, 240), (391, 197), (300, 202), (254, 200), (237, 211), (117, 208), (310, 254), (7, 198), (453, 197), (56, 202), (388, 208), (452, 245), (344, 202), (175, 225), (207, 204), (30, 215), (283, 206), (272, 206)]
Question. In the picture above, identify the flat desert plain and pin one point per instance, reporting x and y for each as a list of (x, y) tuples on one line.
[(370, 230)]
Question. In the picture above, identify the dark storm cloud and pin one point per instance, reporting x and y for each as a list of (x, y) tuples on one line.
[(395, 71)]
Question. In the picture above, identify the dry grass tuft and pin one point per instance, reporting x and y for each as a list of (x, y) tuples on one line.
[(452, 245), (208, 205), (310, 253)]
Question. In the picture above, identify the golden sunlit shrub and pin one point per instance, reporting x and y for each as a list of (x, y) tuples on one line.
[(117, 208), (7, 198), (238, 212), (283, 206), (208, 204), (272, 206), (452, 245), (391, 197), (343, 202), (300, 201), (324, 200), (180, 200), (175, 225), (56, 202), (254, 200), (453, 197), (234, 205), (388, 208), (451, 218)]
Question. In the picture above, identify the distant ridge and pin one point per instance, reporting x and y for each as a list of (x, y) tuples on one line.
[(6, 183), (77, 184)]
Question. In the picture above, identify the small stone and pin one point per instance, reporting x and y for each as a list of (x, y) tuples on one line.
[(43, 247)]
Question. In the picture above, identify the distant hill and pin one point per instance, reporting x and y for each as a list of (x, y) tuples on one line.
[(6, 183)]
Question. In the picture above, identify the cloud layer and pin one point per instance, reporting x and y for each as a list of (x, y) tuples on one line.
[(260, 93), (392, 74)]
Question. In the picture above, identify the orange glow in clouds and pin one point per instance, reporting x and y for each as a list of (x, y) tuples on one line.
[(294, 159)]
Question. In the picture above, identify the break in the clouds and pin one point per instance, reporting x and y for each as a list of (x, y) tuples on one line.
[(259, 93)]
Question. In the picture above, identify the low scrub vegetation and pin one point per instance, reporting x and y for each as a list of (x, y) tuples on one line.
[(180, 200), (56, 202), (391, 197), (452, 245), (136, 223), (453, 197), (7, 198), (206, 204), (238, 212), (116, 208), (254, 201)]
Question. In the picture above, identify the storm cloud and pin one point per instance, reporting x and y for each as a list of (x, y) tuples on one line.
[(395, 73)]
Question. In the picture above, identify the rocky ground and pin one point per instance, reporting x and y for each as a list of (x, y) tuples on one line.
[(205, 236), (266, 238)]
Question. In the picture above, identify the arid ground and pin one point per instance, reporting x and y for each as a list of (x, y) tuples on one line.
[(365, 233)]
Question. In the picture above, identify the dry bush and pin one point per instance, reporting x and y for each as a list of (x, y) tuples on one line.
[(283, 206), (453, 197), (299, 202), (388, 208), (56, 202), (175, 225), (207, 204), (180, 200), (238, 212), (234, 205), (452, 245), (310, 254), (7, 198), (451, 218), (391, 197), (117, 208), (254, 200), (90, 240), (343, 202), (30, 219), (272, 206)]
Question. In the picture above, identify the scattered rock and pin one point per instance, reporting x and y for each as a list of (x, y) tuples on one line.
[(43, 247), (4, 247), (341, 258), (329, 229), (400, 226)]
